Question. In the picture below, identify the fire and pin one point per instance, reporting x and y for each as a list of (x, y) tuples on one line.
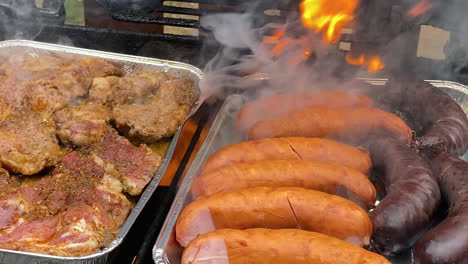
[(328, 17), (373, 63), (420, 8)]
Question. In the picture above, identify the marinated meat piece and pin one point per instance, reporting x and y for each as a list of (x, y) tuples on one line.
[(158, 116), (28, 143), (75, 80), (7, 181), (175, 93), (76, 232), (80, 180), (28, 66), (4, 179), (29, 96), (133, 166), (72, 77), (72, 212), (82, 125), (13, 209), (42, 95), (99, 68), (127, 89), (11, 97)]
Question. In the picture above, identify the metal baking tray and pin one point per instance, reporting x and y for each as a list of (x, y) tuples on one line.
[(181, 70), (222, 133)]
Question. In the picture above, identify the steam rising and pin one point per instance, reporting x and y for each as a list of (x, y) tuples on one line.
[(302, 62), (244, 51)]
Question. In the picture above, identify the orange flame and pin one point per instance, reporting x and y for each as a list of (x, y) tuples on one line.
[(373, 63), (279, 47), (328, 16), (420, 8)]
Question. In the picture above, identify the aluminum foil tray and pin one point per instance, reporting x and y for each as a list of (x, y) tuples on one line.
[(128, 63), (222, 133)]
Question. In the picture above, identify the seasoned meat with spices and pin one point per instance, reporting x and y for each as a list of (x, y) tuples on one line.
[(159, 116), (72, 212), (72, 77), (21, 97), (84, 124), (133, 166), (7, 181), (42, 96), (28, 143), (130, 88)]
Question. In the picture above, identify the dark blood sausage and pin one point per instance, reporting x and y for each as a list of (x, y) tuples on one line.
[(439, 119), (412, 196), (447, 243)]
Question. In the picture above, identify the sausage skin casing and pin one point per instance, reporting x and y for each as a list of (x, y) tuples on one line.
[(280, 104), (284, 173), (447, 243), (345, 124), (441, 121), (412, 196), (265, 207), (294, 148), (280, 246)]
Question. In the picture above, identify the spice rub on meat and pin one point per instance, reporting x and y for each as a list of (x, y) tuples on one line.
[(133, 166), (159, 116), (71, 76), (28, 143), (55, 124), (127, 89), (72, 212), (84, 124)]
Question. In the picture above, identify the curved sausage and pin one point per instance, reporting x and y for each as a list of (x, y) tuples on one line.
[(308, 149), (266, 207), (438, 118), (447, 243), (266, 246), (284, 173), (412, 196), (280, 104), (348, 124)]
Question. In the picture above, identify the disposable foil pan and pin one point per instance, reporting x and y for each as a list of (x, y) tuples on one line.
[(222, 133), (181, 70)]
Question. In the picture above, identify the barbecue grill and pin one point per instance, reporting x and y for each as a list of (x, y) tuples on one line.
[(171, 30)]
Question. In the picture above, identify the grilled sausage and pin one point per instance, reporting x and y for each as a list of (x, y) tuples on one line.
[(348, 124), (284, 173), (437, 118), (309, 149), (266, 207), (280, 104), (447, 243), (412, 196), (266, 246)]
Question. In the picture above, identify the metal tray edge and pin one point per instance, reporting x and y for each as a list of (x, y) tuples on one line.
[(185, 185), (101, 54)]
